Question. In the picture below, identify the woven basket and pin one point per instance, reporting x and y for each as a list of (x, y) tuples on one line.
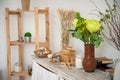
[(42, 52)]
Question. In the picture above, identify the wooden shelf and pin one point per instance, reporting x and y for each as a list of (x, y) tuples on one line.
[(22, 11), (21, 43), (37, 43), (18, 11), (23, 73)]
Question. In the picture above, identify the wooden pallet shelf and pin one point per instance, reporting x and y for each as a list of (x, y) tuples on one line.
[(36, 42)]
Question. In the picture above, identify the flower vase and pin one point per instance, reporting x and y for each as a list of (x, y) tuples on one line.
[(89, 61)]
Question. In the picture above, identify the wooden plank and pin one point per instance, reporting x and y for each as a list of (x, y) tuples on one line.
[(25, 4), (43, 11), (21, 43), (20, 48), (8, 44), (13, 12), (36, 27), (47, 28), (23, 73)]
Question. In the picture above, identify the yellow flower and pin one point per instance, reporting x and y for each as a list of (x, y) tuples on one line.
[(92, 25)]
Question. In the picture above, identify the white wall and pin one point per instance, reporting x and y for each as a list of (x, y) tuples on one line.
[(83, 6)]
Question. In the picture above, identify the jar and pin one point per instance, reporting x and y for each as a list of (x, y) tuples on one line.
[(17, 67), (78, 62)]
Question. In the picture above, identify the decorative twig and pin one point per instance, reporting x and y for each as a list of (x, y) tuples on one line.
[(112, 20)]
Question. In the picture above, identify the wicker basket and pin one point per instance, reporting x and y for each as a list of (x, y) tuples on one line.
[(42, 53)]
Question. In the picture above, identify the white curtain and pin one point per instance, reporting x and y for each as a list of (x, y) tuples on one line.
[(40, 73)]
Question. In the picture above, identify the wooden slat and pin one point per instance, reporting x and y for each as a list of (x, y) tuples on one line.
[(23, 73), (36, 28), (47, 28), (25, 4), (21, 43), (42, 11), (8, 44), (20, 48), (13, 12)]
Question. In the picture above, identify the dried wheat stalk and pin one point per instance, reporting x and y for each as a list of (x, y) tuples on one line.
[(66, 19)]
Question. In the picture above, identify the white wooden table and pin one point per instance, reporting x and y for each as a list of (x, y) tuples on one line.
[(71, 74)]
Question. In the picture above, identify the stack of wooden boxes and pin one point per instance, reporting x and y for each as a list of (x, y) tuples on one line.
[(68, 55)]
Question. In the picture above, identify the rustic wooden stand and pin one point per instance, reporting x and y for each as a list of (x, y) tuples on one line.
[(36, 42)]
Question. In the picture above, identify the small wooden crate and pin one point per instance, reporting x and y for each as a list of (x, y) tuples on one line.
[(67, 55)]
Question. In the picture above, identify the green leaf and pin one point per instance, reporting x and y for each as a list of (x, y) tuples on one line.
[(102, 20), (77, 35), (107, 16), (107, 10), (77, 15), (100, 13), (98, 41)]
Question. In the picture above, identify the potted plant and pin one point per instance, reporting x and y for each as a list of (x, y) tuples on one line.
[(89, 31), (27, 37)]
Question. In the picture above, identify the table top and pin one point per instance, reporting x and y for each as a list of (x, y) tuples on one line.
[(71, 74)]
